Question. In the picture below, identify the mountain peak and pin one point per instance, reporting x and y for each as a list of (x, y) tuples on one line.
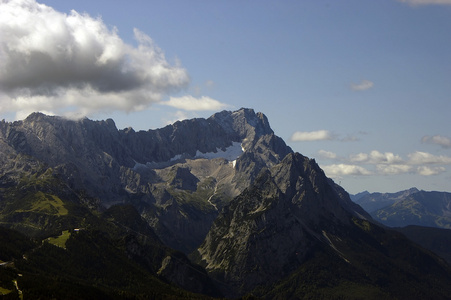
[(413, 190), (35, 116), (41, 117), (244, 121)]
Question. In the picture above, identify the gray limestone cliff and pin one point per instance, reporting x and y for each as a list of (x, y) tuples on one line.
[(267, 232), (178, 176)]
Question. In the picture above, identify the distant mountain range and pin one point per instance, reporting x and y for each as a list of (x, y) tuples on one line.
[(409, 207), (424, 217), (200, 209)]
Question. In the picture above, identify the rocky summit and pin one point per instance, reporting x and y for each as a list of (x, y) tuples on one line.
[(217, 207)]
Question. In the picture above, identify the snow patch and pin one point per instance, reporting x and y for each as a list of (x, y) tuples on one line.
[(233, 163), (231, 153), (138, 166), (177, 157)]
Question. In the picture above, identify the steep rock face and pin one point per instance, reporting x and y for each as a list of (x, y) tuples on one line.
[(269, 230), (185, 138), (99, 150), (143, 246), (162, 171), (184, 180), (75, 149), (186, 221), (243, 123), (181, 138)]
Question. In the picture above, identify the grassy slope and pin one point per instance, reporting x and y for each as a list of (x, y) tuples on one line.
[(91, 264), (38, 205), (60, 240)]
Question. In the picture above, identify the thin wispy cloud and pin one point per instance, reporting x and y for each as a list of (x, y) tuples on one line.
[(337, 170), (322, 135), (209, 83), (308, 136), (51, 61), (443, 141), (195, 104), (362, 86), (350, 138), (426, 2)]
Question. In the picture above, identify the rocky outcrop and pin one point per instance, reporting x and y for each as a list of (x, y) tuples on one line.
[(268, 230), (143, 246), (178, 191), (184, 180)]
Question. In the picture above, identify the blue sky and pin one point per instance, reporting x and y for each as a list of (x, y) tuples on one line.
[(361, 86)]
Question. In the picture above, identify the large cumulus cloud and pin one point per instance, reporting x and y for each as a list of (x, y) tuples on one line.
[(73, 63)]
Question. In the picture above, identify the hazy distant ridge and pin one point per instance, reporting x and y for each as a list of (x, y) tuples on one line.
[(409, 207)]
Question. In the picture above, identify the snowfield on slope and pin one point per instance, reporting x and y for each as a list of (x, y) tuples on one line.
[(231, 154)]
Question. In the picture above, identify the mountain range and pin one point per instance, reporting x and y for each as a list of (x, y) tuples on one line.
[(409, 207), (202, 208)]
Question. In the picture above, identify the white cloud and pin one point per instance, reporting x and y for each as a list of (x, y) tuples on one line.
[(344, 169), (428, 171), (322, 135), (443, 141), (426, 2), (393, 169), (73, 63), (326, 154), (376, 157), (420, 158), (338, 170), (319, 135), (388, 158), (362, 86), (195, 104), (376, 163), (403, 169)]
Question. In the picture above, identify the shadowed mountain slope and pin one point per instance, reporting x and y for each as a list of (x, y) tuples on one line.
[(258, 218)]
